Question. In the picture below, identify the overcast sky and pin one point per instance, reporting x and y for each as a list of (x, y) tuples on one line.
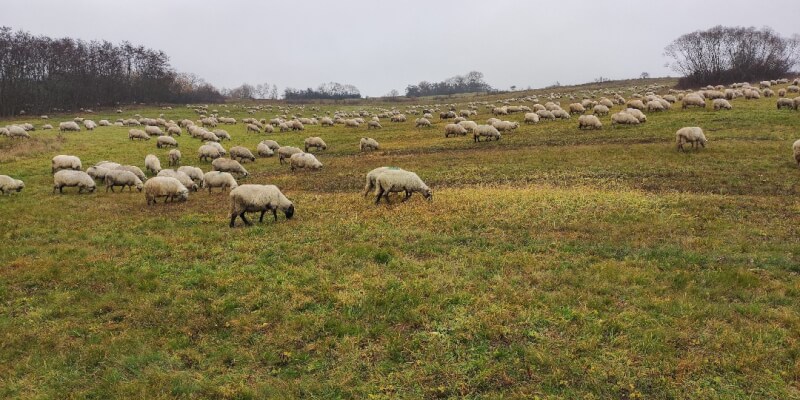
[(381, 45)]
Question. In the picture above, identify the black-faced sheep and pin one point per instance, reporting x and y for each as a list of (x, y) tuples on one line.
[(258, 198)]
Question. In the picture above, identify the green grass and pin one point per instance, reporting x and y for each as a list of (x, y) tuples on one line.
[(554, 263)]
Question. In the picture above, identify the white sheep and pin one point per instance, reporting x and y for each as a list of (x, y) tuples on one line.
[(138, 134), (693, 135), (206, 152), (69, 126), (169, 188), (9, 184), (623, 118), (368, 144), (637, 114), (174, 157), (228, 165), (284, 152), (304, 160), (796, 151), (455, 130), (166, 141), (134, 169), (70, 178), (422, 123), (398, 180), (600, 109), (326, 121), (264, 150), (185, 179), (655, 106), (15, 131), (637, 104), (98, 172), (315, 142), (721, 104), (193, 172), (222, 134), (217, 179), (153, 130), (470, 126), (589, 122), (253, 128), (693, 100), (89, 124), (531, 118), (152, 164), (61, 161), (505, 126), (546, 114), (576, 108), (242, 153), (487, 131), (122, 178), (374, 125), (258, 198), (785, 103)]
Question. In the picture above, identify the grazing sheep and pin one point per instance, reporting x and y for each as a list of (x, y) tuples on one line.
[(264, 150), (373, 175), (138, 134), (637, 114), (193, 172), (782, 93), (637, 104), (721, 104), (589, 122), (793, 89), (546, 114), (98, 172), (122, 178), (284, 152), (152, 164), (174, 157), (69, 126), (258, 198), (531, 118), (89, 124), (166, 141), (797, 103), (367, 144), (134, 169), (455, 130), (693, 100), (15, 131), (228, 165), (326, 121), (315, 142), (785, 103), (397, 180), (167, 187), (304, 160), (422, 123), (796, 151), (174, 130), (487, 131), (242, 153), (60, 162), (153, 130), (655, 105), (505, 126), (398, 118), (623, 118), (470, 126), (693, 135), (253, 128), (9, 184), (600, 109), (206, 152), (576, 108), (271, 144), (70, 178), (185, 179), (217, 179), (374, 125), (500, 111)]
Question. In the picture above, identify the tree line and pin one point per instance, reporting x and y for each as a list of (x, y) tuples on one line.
[(723, 55), (40, 74), (325, 91), (469, 83)]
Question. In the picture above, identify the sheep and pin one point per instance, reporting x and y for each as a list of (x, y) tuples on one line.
[(304, 160), (561, 114), (315, 142), (70, 178), (505, 126), (470, 126), (721, 104), (153, 131), (372, 176), (284, 127), (242, 153), (637, 104), (255, 198), (576, 108), (104, 122), (98, 172), (487, 131), (209, 136), (367, 144), (655, 105), (273, 145), (500, 111), (637, 114), (284, 152), (69, 126), (296, 125), (693, 100), (174, 157), (207, 152), (446, 115), (217, 179), (782, 93), (15, 131), (765, 84), (185, 180), (164, 186), (166, 141), (193, 172), (397, 180), (326, 121), (693, 135), (785, 103), (797, 103), (89, 124), (546, 114), (623, 118), (134, 169), (600, 109), (253, 128), (606, 102), (796, 151), (3, 131), (422, 123), (9, 184), (263, 150), (531, 118), (152, 164), (122, 178), (589, 122), (61, 161), (455, 130), (374, 125), (793, 89), (228, 165), (28, 127), (398, 118), (769, 93), (138, 134)]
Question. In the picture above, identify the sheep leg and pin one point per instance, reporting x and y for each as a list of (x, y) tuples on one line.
[(378, 197), (408, 195), (244, 219), (261, 218)]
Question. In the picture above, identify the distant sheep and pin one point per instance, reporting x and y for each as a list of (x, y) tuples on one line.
[(138, 134), (153, 130), (470, 126), (193, 172), (70, 178), (546, 114), (253, 128), (721, 104), (455, 130), (623, 118), (531, 118), (637, 104), (258, 198), (654, 106), (222, 134), (693, 100), (422, 123), (184, 179), (217, 179), (9, 185), (169, 188), (374, 125), (69, 126), (600, 109), (576, 108), (693, 135), (263, 150), (367, 144)]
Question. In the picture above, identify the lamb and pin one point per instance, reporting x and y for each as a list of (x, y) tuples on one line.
[(470, 126), (174, 157), (721, 104), (255, 198), (374, 125), (315, 142), (785, 103), (9, 184), (15, 131), (623, 118), (487, 131), (163, 186), (693, 135), (589, 122), (228, 165), (138, 134), (134, 169), (217, 179), (71, 178), (600, 109), (422, 123), (264, 150), (122, 178), (153, 130), (60, 162), (796, 151), (253, 128), (69, 126), (693, 100), (531, 118), (193, 172), (284, 152), (397, 180), (185, 180), (455, 130), (576, 108), (166, 141), (367, 144), (242, 153), (304, 160), (207, 152), (152, 164)]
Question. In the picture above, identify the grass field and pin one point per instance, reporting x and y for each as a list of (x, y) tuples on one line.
[(554, 263)]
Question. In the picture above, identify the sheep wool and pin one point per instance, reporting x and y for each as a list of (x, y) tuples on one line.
[(373, 175), (395, 180), (796, 151), (589, 122), (138, 134), (258, 198), (214, 179), (368, 144), (169, 188), (228, 165), (721, 104), (693, 135), (455, 130), (174, 157), (180, 176), (316, 142), (487, 131), (242, 153), (264, 150), (60, 162), (122, 178), (304, 160), (193, 172), (70, 178), (166, 141), (152, 164), (69, 126), (9, 184), (206, 152), (284, 152)]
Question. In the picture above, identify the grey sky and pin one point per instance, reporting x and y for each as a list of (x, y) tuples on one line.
[(381, 45)]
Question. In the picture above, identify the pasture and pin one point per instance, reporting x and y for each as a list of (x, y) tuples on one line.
[(553, 263)]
